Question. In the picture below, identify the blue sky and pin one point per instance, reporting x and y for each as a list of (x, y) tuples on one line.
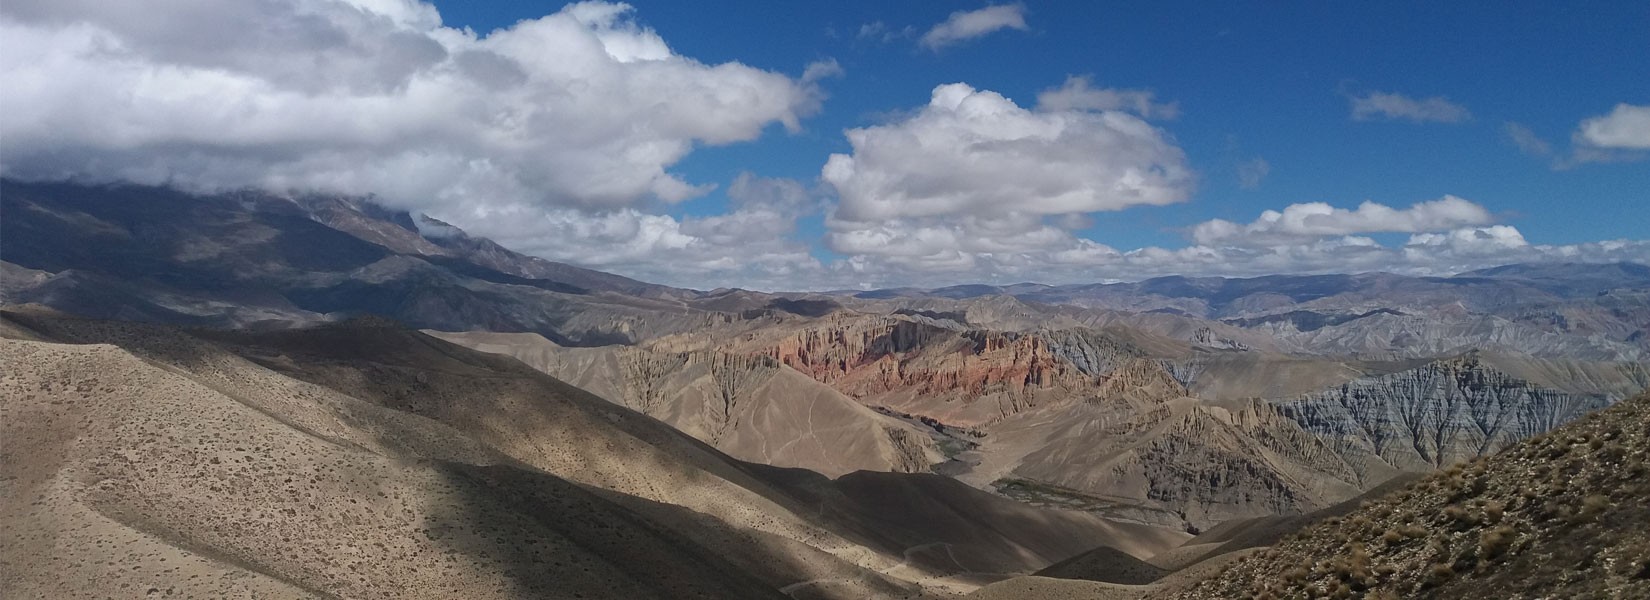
[(687, 142), (1268, 80)]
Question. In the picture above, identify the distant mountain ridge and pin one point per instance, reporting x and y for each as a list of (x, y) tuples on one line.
[(252, 258), (1161, 401)]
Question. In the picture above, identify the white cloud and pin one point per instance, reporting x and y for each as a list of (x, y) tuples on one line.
[(1622, 135), (1251, 172), (1078, 93), (973, 178), (1627, 127), (966, 25), (878, 31), (753, 246), (1387, 105), (1088, 261), (822, 69), (1494, 240), (974, 152), (1527, 140), (1318, 219), (584, 107)]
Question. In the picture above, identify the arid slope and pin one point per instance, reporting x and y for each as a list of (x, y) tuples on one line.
[(363, 459), (750, 407), (1557, 516)]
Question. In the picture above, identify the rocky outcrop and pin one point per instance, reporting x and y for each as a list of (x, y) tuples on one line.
[(966, 377), (1441, 413), (1188, 464), (1557, 516)]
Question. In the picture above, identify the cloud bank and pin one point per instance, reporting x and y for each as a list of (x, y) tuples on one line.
[(584, 107), (1318, 219), (557, 137)]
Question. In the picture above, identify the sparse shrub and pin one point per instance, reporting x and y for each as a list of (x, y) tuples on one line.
[(1493, 511), (1295, 575), (1591, 506), (1460, 517), (1339, 590), (1359, 524), (1441, 571), (1495, 542), (1478, 484), (1392, 537)]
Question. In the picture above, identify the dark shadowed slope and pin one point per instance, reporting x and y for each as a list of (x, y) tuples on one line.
[(248, 258), (361, 459), (750, 407)]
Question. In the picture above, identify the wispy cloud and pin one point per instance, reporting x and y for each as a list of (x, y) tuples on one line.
[(1079, 93), (1251, 172), (1387, 105), (1527, 140), (966, 25), (880, 32)]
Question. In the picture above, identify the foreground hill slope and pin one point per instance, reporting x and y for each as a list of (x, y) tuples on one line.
[(362, 459), (1561, 515), (125, 478)]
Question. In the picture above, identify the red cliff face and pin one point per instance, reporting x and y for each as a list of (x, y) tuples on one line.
[(895, 362)]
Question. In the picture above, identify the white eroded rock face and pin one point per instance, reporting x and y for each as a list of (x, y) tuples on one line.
[(1434, 415)]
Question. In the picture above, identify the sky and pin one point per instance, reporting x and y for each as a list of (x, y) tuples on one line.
[(805, 146)]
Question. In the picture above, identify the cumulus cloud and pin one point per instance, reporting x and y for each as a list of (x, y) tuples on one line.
[(1317, 219), (1622, 135), (967, 25), (1079, 93), (976, 152), (1627, 127), (1386, 105), (584, 107), (973, 176)]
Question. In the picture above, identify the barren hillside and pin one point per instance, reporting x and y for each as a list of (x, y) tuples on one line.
[(366, 460)]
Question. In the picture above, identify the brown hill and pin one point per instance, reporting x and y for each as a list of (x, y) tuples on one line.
[(1557, 516), (365, 460), (1079, 409), (1105, 564), (1561, 515), (750, 407)]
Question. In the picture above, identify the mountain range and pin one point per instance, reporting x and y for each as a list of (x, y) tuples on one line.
[(319, 396)]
